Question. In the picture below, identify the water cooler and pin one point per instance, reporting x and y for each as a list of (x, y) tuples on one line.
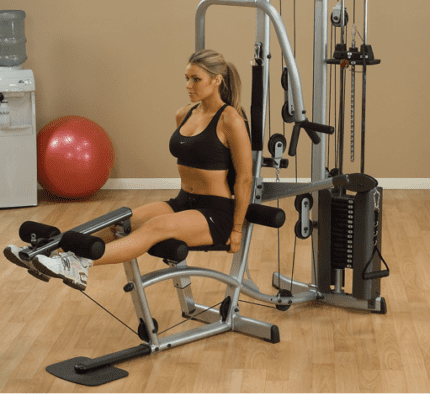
[(18, 144)]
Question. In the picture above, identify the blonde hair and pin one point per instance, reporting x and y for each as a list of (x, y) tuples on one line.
[(215, 64)]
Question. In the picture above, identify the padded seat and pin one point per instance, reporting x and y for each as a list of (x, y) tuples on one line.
[(177, 250)]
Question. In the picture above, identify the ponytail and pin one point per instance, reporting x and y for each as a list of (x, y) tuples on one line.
[(232, 86)]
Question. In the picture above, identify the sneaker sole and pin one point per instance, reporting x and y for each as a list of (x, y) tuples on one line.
[(12, 258), (39, 276), (43, 269)]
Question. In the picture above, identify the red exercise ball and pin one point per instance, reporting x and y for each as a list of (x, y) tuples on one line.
[(74, 157)]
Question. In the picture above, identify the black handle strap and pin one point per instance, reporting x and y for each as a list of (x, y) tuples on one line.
[(374, 275)]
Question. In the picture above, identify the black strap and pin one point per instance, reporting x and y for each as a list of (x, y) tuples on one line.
[(188, 115), (374, 275)]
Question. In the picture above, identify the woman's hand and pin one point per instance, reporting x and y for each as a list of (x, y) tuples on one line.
[(234, 241)]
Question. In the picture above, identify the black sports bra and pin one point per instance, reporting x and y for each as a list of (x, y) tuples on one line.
[(203, 151)]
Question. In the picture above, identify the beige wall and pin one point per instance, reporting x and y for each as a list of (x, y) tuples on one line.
[(121, 64)]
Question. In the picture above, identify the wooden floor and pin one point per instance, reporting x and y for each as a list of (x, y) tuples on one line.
[(322, 348)]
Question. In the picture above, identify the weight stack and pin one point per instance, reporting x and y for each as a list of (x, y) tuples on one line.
[(346, 240)]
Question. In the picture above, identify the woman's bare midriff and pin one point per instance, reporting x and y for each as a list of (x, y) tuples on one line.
[(204, 182)]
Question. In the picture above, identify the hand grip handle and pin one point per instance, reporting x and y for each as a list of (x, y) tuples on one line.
[(312, 134), (373, 275), (292, 151), (317, 127), (311, 129)]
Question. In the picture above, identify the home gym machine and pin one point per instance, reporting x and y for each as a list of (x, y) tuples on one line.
[(324, 197)]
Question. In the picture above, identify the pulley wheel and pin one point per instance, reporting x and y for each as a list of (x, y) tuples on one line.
[(274, 140), (284, 293), (298, 230), (286, 116), (338, 23), (143, 331), (225, 305), (284, 79), (299, 199)]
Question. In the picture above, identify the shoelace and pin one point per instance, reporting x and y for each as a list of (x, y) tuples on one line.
[(64, 256), (65, 262)]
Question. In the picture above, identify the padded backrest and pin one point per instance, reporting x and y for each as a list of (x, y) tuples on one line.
[(231, 176)]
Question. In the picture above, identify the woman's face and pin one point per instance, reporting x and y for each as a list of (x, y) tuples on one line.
[(200, 85)]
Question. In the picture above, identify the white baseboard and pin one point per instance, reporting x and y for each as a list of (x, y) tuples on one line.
[(175, 183), (143, 183)]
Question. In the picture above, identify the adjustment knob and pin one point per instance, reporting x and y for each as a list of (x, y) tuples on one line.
[(129, 287)]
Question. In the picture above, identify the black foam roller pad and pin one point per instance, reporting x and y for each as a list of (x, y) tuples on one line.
[(85, 246), (172, 249), (265, 215), (41, 231)]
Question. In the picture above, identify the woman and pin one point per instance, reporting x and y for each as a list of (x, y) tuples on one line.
[(210, 137)]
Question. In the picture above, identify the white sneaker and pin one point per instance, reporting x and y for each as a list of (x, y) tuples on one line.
[(67, 266), (11, 253)]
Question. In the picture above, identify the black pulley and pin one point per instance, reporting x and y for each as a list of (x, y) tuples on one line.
[(286, 116), (298, 230), (143, 331), (225, 305), (299, 199), (274, 140), (284, 293), (284, 79)]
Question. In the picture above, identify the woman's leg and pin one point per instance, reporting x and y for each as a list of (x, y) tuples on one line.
[(189, 226), (141, 215)]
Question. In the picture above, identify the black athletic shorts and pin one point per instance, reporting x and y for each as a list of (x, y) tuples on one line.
[(217, 210)]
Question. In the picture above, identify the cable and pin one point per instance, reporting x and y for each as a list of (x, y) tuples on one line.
[(257, 304), (107, 311), (313, 258), (188, 319), (294, 261)]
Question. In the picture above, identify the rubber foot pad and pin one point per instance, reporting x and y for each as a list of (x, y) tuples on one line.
[(66, 370)]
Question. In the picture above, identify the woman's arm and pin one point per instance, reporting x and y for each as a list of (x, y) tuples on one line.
[(234, 129)]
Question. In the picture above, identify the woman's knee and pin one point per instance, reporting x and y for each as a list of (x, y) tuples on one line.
[(145, 213), (161, 225)]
